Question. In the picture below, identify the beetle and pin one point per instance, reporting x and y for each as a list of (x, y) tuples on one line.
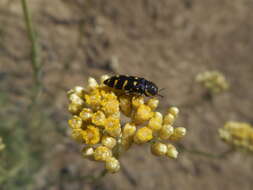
[(133, 85)]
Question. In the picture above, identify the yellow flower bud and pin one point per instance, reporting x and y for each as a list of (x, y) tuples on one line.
[(98, 118), (159, 149), (93, 99), (108, 141), (172, 151), (92, 83), (112, 126), (91, 135), (214, 81), (179, 132), (125, 105), (75, 99), (168, 119), (153, 103), (74, 108), (127, 136), (115, 115), (129, 130), (166, 131), (174, 111), (143, 113), (78, 90), (103, 78), (137, 101), (75, 122), (155, 123), (88, 152), (76, 134), (143, 135), (238, 134), (108, 95), (112, 165), (86, 114), (102, 153), (110, 106)]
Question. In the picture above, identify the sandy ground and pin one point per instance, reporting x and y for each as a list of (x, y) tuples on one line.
[(166, 41)]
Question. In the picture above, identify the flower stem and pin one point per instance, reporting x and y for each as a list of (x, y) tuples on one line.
[(102, 174), (35, 58), (206, 154)]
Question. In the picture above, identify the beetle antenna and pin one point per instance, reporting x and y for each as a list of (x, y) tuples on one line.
[(161, 89), (160, 95)]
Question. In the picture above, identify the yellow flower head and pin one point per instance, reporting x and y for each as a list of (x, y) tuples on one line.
[(137, 101), (102, 153), (75, 122), (93, 99), (153, 103), (78, 90), (143, 135), (76, 134), (98, 118), (166, 131), (155, 123), (125, 105), (178, 133), (107, 94), (169, 119), (129, 130), (159, 149), (214, 81), (91, 135), (108, 141), (143, 113), (171, 151), (76, 99), (98, 124), (86, 114), (110, 106), (112, 126), (174, 111), (74, 108), (238, 134), (112, 165)]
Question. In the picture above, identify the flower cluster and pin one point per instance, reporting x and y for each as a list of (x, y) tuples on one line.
[(97, 123), (2, 145), (238, 134), (214, 81)]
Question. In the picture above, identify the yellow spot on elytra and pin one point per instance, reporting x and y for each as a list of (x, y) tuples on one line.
[(107, 81), (125, 83), (135, 83), (115, 82), (147, 93)]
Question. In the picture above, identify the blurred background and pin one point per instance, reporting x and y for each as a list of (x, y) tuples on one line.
[(166, 41)]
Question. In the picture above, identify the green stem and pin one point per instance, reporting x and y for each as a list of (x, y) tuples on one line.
[(35, 58), (92, 178), (102, 174), (206, 154), (12, 172)]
